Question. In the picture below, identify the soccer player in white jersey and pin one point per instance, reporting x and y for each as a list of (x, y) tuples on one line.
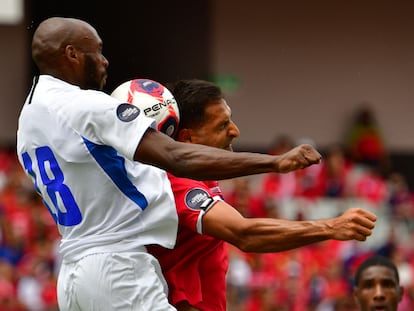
[(97, 164)]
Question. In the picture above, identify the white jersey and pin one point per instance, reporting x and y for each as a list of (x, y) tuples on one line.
[(78, 146)]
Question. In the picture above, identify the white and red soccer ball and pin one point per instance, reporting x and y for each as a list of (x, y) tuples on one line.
[(154, 99)]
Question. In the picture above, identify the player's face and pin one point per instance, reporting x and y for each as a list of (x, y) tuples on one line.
[(95, 74), (95, 63), (218, 130), (378, 290)]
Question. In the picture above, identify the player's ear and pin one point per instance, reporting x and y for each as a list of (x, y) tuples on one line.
[(400, 293), (184, 135), (71, 52), (355, 295)]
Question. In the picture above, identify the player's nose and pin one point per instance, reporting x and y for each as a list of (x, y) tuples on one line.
[(378, 292), (234, 130)]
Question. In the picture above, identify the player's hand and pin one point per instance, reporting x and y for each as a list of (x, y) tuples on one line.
[(354, 224), (299, 157)]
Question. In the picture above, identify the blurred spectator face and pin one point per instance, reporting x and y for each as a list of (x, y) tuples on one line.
[(378, 289)]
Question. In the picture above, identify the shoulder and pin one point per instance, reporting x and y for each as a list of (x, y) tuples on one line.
[(182, 184)]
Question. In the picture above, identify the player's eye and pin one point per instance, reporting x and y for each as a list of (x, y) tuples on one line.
[(389, 284), (224, 124), (367, 284)]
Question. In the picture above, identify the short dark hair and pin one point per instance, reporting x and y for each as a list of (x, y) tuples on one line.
[(376, 260), (193, 96)]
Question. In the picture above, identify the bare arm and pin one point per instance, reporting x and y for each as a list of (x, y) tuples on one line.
[(207, 163), (263, 235)]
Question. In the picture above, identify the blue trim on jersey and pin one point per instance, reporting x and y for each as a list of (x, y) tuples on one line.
[(113, 165)]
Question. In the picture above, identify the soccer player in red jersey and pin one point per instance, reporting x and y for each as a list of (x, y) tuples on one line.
[(196, 268)]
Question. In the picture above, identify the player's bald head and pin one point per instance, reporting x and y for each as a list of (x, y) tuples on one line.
[(53, 35)]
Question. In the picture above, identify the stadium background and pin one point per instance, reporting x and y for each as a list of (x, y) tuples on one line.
[(298, 67)]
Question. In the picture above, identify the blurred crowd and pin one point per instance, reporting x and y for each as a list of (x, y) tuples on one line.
[(316, 277), (28, 243)]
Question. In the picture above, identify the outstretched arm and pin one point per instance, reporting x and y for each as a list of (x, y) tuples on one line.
[(263, 235), (206, 163)]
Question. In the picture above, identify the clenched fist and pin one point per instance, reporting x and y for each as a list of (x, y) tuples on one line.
[(299, 157), (353, 224)]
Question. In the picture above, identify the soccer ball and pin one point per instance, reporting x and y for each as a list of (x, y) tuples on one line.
[(154, 99)]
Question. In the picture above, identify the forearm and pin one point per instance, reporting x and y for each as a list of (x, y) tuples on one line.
[(262, 235), (275, 235), (207, 163), (199, 161)]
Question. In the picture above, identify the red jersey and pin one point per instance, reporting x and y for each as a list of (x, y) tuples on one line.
[(196, 268)]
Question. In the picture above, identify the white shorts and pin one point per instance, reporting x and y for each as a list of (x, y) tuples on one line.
[(113, 281)]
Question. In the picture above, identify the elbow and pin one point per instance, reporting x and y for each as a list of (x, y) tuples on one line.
[(176, 164), (244, 236), (181, 168), (186, 169), (248, 247), (244, 242)]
